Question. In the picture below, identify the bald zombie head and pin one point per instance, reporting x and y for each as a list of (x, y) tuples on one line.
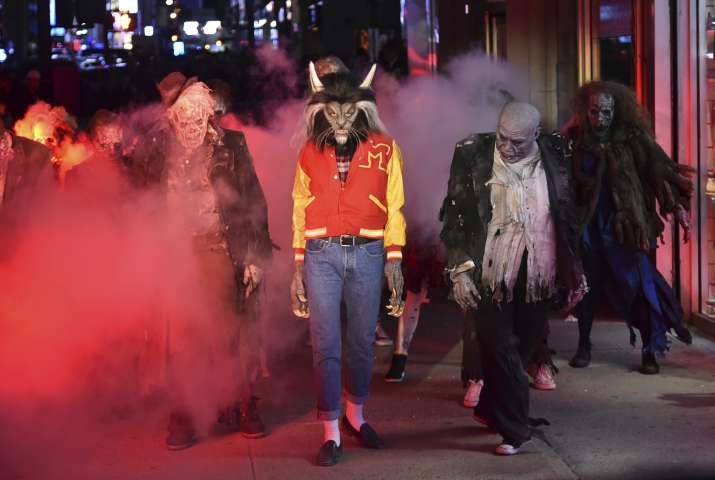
[(517, 131)]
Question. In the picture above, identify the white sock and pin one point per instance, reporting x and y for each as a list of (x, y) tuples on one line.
[(331, 431), (354, 412)]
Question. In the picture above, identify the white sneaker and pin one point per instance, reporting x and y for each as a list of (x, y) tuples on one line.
[(542, 377), (506, 449), (471, 396)]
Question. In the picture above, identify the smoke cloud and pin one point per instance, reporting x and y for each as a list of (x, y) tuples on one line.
[(90, 283)]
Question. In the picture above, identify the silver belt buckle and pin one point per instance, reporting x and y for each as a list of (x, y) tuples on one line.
[(350, 238)]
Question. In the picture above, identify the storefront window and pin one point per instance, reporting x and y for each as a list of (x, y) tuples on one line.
[(707, 166), (615, 40)]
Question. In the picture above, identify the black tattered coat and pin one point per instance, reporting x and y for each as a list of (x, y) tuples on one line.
[(29, 169), (467, 209), (240, 198)]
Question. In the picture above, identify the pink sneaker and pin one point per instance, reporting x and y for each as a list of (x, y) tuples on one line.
[(542, 377)]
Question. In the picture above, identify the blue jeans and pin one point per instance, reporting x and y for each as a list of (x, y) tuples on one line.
[(330, 271)]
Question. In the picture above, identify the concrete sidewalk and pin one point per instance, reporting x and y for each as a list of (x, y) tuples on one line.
[(608, 422)]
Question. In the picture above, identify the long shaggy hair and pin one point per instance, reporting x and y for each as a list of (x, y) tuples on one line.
[(628, 118), (341, 88)]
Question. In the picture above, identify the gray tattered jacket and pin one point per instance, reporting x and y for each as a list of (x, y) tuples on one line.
[(467, 210)]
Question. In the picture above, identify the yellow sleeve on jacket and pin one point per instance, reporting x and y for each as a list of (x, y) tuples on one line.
[(395, 229), (301, 199)]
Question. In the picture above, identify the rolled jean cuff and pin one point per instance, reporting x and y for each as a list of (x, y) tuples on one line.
[(326, 415), (354, 399)]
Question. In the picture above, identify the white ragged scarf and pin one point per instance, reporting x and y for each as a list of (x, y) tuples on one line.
[(521, 221)]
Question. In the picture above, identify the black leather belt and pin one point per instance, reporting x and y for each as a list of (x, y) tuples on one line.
[(348, 240)]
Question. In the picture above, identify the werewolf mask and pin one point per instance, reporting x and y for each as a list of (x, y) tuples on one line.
[(340, 109)]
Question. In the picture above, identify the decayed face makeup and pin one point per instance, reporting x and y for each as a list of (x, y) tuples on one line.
[(601, 110), (514, 146), (108, 139), (190, 124), (517, 131), (44, 134), (341, 117)]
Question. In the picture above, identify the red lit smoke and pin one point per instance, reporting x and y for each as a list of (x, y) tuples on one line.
[(88, 285)]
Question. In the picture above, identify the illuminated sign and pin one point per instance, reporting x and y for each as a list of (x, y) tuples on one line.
[(131, 6), (211, 27), (178, 48), (124, 21), (191, 28)]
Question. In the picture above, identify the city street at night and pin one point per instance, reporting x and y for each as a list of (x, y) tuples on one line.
[(357, 239), (607, 422)]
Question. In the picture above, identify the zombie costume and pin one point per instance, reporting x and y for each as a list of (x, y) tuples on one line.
[(24, 166), (106, 171), (508, 226), (620, 175), (208, 179), (52, 127), (347, 200)]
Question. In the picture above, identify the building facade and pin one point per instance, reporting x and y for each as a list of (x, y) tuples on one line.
[(663, 49)]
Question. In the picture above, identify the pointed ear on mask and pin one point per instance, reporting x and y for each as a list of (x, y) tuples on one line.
[(315, 84), (367, 83)]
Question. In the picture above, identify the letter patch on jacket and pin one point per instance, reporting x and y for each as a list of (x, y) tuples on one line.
[(378, 155)]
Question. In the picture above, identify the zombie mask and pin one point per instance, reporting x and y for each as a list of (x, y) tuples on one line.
[(190, 125), (190, 114), (108, 139), (517, 131), (601, 109), (340, 109), (44, 133)]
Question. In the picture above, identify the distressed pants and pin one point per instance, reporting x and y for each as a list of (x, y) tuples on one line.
[(508, 335)]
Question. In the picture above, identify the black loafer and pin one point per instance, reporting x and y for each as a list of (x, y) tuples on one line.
[(367, 435), (649, 366), (181, 432), (329, 454), (582, 359)]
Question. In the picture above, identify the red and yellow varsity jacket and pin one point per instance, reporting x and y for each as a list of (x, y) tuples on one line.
[(368, 205)]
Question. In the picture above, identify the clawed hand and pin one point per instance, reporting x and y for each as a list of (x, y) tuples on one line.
[(683, 218), (464, 291), (396, 285), (575, 296), (252, 276), (299, 300)]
